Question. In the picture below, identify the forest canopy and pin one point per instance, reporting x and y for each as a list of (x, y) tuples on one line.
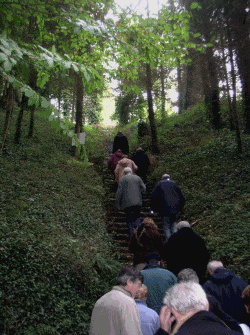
[(69, 51)]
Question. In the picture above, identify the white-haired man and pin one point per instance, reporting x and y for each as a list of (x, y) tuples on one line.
[(167, 200), (227, 288), (186, 312), (129, 198)]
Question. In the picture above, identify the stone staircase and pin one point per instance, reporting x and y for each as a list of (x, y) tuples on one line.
[(116, 220)]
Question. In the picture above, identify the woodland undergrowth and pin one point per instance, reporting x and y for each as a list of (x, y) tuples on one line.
[(56, 256)]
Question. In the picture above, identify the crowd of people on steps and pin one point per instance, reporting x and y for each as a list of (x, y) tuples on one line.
[(173, 287)]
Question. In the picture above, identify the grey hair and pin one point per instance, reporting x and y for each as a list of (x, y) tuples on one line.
[(183, 224), (165, 176), (127, 170), (214, 265), (129, 272), (187, 275), (185, 297)]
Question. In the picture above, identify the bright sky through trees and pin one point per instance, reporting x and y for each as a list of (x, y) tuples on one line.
[(141, 5)]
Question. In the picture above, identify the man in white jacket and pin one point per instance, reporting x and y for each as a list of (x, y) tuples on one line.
[(116, 312)]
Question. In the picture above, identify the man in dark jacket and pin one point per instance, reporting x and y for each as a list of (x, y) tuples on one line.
[(186, 307), (142, 161), (187, 275), (120, 142), (186, 249), (227, 288), (167, 200)]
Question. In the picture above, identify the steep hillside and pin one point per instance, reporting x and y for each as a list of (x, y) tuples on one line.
[(215, 181), (56, 257)]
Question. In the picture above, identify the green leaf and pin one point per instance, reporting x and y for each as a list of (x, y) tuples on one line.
[(7, 65), (137, 90), (9, 17), (197, 35), (11, 79), (50, 61), (33, 100), (75, 67), (195, 5), (45, 103), (3, 56), (28, 93)]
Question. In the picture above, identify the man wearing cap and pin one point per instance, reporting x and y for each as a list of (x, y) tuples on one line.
[(157, 280), (167, 200), (129, 198)]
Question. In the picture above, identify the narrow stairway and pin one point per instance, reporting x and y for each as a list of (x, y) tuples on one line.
[(116, 220)]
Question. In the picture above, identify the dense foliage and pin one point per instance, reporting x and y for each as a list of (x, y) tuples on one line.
[(215, 181), (56, 256)]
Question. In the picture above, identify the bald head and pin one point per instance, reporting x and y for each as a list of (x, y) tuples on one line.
[(127, 170), (214, 265), (183, 224)]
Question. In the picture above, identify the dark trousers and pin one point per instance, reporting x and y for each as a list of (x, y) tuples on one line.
[(132, 218)]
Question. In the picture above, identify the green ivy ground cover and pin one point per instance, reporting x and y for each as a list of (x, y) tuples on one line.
[(56, 257), (215, 181), (55, 254)]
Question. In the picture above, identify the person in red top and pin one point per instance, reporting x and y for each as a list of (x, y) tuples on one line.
[(114, 159)]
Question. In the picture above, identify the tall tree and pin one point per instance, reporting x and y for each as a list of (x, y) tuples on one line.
[(145, 45)]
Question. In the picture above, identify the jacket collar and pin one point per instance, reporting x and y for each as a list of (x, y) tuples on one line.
[(122, 289), (152, 266), (141, 302)]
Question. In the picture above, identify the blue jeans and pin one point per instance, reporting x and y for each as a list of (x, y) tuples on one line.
[(169, 225), (132, 218)]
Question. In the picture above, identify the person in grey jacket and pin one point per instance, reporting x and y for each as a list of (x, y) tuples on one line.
[(129, 198)]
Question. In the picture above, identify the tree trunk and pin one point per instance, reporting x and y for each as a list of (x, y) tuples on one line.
[(186, 100), (155, 148), (59, 92), (32, 83), (210, 88), (32, 121), (79, 109), (234, 104), (4, 98), (214, 90), (242, 42), (73, 106), (9, 108), (163, 94), (179, 83), (79, 104), (20, 119)]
